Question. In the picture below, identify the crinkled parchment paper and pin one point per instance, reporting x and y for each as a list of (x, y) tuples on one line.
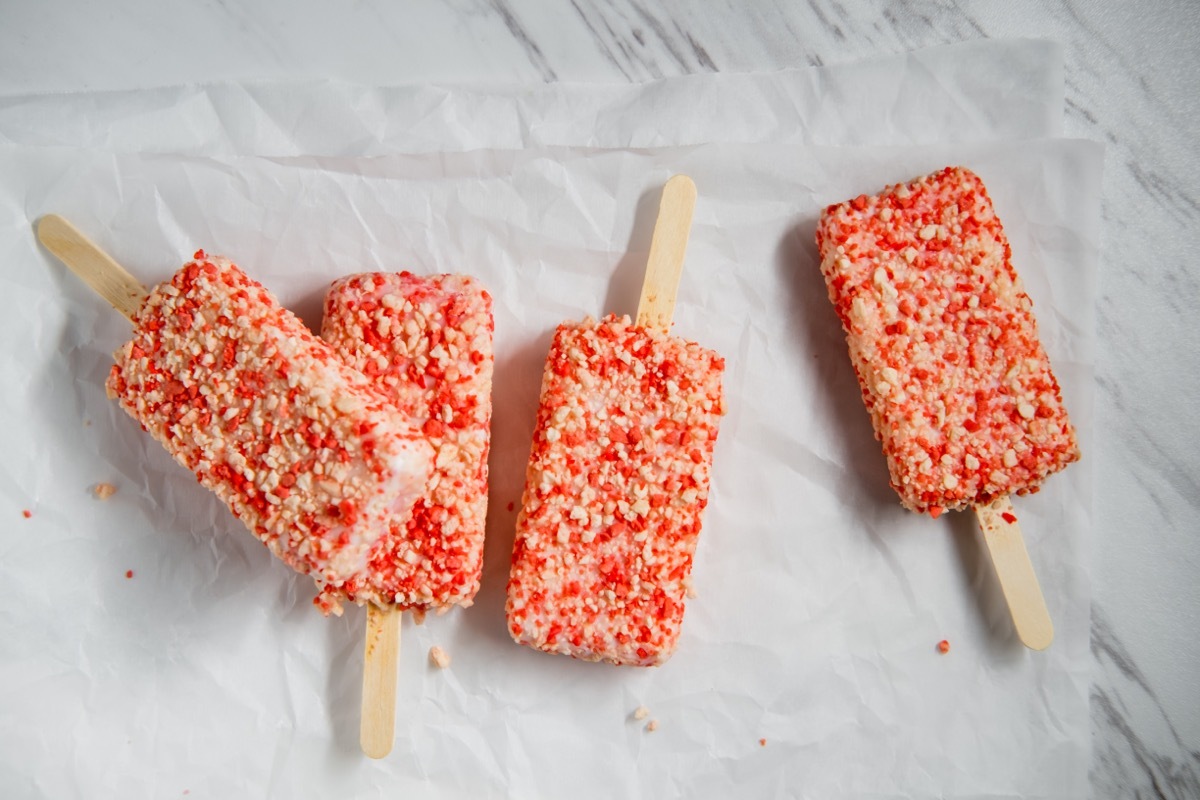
[(972, 91), (820, 601)]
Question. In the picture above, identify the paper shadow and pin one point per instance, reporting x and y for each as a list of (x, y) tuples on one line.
[(864, 488), (625, 285), (515, 388), (310, 308), (978, 575), (819, 339), (343, 686)]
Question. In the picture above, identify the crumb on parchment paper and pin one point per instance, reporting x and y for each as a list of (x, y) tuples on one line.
[(439, 657), (652, 726), (103, 491)]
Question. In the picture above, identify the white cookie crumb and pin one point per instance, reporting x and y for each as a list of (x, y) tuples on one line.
[(103, 491), (439, 657), (640, 713), (652, 726)]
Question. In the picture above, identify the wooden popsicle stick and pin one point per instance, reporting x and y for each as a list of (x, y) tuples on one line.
[(1015, 571), (381, 654), (91, 264), (667, 248)]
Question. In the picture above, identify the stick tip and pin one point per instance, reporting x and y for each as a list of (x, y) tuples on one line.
[(47, 223), (681, 184), (375, 747), (1037, 636)]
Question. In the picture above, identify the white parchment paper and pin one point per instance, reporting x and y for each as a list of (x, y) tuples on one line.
[(972, 91), (820, 601)]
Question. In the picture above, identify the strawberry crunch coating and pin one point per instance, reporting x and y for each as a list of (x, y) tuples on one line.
[(426, 343), (617, 480), (299, 446), (943, 340)]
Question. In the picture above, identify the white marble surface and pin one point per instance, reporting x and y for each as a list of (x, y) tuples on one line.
[(1131, 72)]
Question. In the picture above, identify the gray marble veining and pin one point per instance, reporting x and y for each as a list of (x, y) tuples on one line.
[(1138, 751)]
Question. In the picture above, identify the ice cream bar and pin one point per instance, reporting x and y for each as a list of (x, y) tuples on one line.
[(426, 343), (943, 340), (301, 448), (616, 484), (617, 481)]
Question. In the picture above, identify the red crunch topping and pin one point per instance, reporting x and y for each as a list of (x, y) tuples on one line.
[(426, 344), (617, 480), (943, 340), (300, 447)]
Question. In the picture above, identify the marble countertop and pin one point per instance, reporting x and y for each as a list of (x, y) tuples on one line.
[(1131, 72)]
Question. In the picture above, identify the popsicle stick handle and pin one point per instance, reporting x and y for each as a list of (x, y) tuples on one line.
[(91, 264), (382, 652), (1015, 571), (667, 248)]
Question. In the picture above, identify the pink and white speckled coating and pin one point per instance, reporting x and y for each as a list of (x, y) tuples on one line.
[(299, 446), (426, 343), (617, 481), (943, 340)]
